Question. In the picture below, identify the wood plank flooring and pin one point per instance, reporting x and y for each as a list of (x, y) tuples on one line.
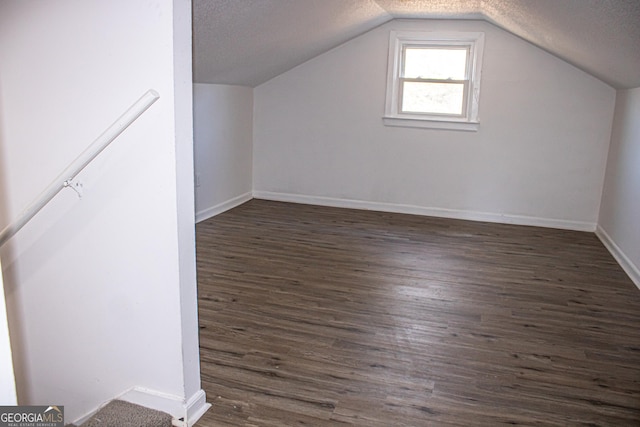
[(319, 316)]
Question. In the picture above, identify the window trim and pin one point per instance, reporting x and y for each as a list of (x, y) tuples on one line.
[(398, 42)]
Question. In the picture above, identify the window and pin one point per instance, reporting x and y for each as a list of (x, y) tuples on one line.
[(434, 80)]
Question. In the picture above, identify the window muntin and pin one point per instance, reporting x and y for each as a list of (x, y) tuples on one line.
[(433, 77)]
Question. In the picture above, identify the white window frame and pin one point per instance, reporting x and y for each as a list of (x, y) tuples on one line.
[(398, 42)]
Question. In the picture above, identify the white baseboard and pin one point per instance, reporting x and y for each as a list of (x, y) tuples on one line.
[(420, 210), (627, 265), (84, 418), (185, 413), (196, 407), (222, 207)]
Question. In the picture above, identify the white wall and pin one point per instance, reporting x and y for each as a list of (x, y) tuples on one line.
[(620, 211), (538, 158), (223, 137), (100, 291), (7, 381)]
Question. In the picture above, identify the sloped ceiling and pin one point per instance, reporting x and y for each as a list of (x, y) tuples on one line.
[(247, 42)]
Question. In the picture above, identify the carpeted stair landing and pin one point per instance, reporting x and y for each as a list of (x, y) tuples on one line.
[(119, 413)]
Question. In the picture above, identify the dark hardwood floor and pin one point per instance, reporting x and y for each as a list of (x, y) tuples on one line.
[(319, 316)]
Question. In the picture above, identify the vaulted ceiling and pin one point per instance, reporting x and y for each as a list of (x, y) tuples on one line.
[(247, 42)]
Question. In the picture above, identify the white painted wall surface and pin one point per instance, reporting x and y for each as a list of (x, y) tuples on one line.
[(192, 402), (538, 158), (223, 135), (7, 380), (620, 210), (97, 288)]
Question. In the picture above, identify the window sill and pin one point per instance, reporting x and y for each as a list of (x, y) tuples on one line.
[(431, 124)]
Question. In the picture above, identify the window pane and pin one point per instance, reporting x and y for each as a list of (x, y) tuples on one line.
[(439, 98), (433, 63)]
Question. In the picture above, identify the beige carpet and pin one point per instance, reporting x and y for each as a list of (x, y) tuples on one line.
[(119, 413)]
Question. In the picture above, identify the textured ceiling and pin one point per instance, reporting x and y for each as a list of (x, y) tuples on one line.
[(247, 42), (602, 37)]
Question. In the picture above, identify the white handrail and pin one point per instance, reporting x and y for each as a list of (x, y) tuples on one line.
[(96, 147)]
